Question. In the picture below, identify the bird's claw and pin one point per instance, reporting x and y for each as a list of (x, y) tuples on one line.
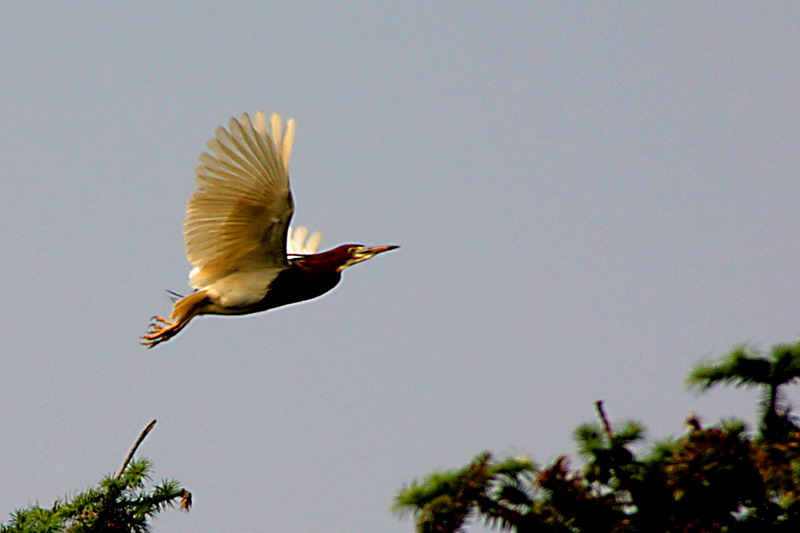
[(159, 330)]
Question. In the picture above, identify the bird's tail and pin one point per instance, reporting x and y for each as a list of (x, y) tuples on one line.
[(174, 296)]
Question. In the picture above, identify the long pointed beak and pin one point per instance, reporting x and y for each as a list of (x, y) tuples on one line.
[(375, 250)]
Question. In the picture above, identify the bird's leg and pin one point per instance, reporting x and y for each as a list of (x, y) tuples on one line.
[(183, 311)]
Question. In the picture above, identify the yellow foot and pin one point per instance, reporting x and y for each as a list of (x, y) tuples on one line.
[(159, 330)]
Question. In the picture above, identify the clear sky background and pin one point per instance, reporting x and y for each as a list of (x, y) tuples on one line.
[(590, 198)]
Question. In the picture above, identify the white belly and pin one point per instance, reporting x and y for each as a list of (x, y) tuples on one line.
[(241, 289)]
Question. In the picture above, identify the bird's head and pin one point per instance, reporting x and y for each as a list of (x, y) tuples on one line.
[(356, 253), (341, 257)]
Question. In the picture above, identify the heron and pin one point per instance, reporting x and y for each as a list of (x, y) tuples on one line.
[(245, 256)]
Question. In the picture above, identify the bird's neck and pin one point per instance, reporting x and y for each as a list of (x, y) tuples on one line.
[(324, 262)]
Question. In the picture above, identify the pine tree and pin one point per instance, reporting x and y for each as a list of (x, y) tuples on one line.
[(120, 503), (717, 478)]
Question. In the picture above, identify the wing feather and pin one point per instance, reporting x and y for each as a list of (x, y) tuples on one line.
[(286, 143), (238, 217), (248, 144), (299, 242)]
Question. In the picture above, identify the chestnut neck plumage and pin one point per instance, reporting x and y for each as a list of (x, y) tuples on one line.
[(330, 261)]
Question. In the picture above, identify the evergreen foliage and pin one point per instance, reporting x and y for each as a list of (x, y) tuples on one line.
[(717, 478), (745, 367)]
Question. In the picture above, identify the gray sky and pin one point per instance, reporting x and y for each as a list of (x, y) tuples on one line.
[(590, 199)]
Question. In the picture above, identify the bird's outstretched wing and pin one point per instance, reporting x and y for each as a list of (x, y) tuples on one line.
[(238, 217)]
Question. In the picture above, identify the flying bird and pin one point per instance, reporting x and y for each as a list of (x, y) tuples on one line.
[(245, 256)]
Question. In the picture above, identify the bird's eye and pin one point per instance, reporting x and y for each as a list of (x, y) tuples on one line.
[(352, 250)]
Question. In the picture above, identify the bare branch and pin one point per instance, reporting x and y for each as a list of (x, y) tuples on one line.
[(601, 412), (142, 436)]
